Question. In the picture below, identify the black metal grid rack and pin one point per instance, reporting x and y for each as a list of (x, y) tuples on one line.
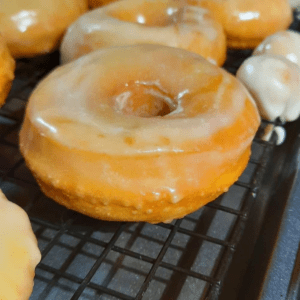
[(191, 258)]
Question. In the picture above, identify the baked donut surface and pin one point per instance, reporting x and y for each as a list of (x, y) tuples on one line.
[(7, 68), (165, 22), (138, 133), (248, 22), (34, 27), (274, 82), (285, 43), (19, 253)]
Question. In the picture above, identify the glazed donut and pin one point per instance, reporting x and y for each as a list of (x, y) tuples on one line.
[(285, 43), (248, 22), (165, 22), (19, 253), (35, 27), (138, 133), (273, 81), (97, 3), (7, 68)]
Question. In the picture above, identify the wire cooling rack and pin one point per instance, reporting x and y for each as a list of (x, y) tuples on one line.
[(190, 258)]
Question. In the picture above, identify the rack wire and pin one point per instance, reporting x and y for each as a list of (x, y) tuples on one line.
[(89, 259)]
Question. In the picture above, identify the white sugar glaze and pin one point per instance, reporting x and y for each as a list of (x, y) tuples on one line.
[(285, 43), (165, 22), (274, 82), (280, 133), (76, 104)]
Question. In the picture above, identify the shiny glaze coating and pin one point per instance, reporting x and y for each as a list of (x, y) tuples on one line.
[(138, 133), (166, 22), (285, 43), (35, 27), (7, 68), (274, 83), (19, 253), (248, 22)]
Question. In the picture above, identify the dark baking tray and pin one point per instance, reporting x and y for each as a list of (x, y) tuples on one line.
[(213, 253)]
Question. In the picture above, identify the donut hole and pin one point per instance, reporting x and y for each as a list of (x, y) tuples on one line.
[(148, 14), (143, 100)]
